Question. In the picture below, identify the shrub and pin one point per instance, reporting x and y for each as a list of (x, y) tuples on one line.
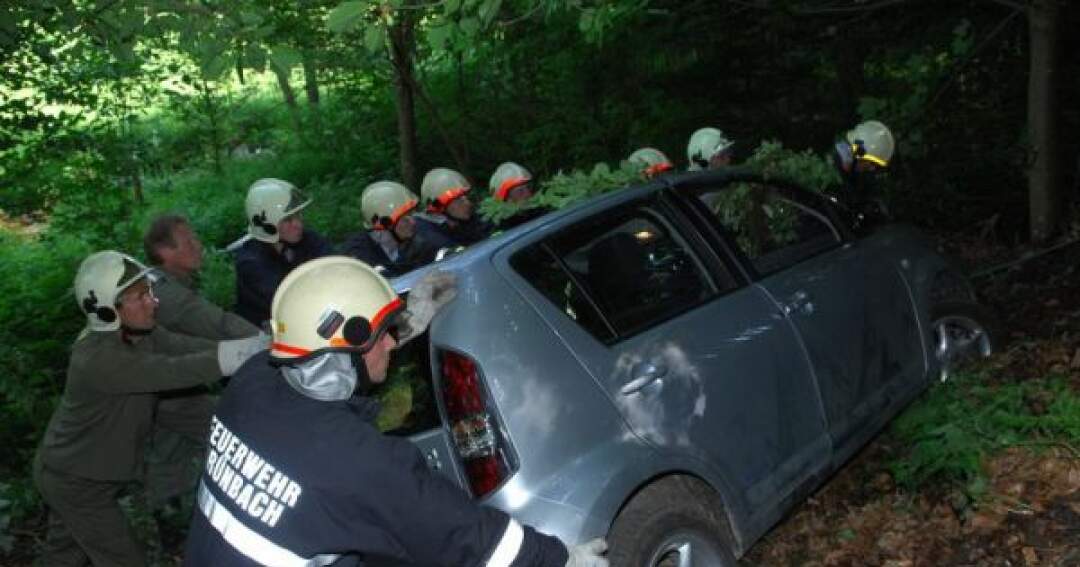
[(955, 425)]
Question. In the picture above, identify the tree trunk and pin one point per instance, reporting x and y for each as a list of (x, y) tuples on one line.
[(311, 87), (290, 97), (401, 38), (311, 78), (1044, 193)]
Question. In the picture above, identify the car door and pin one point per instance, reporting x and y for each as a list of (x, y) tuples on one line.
[(848, 302), (695, 360)]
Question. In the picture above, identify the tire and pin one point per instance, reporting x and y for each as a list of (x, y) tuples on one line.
[(677, 521), (963, 331)]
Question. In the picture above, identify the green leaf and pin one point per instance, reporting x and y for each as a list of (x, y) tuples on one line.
[(215, 67), (488, 10), (452, 6), (439, 35), (346, 17), (251, 18), (284, 58), (469, 26), (255, 57), (373, 39)]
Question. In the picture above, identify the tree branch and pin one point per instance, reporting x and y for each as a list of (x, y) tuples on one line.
[(971, 56)]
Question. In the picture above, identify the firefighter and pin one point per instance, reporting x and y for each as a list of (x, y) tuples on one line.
[(448, 209), (652, 162), (512, 183), (392, 243), (94, 444), (298, 474), (709, 148), (279, 242), (181, 417), (865, 152)]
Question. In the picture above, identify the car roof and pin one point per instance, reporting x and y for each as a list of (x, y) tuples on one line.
[(724, 178)]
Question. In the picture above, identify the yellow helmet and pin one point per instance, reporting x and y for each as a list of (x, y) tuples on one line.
[(101, 278), (506, 177), (334, 303), (652, 161), (383, 203), (269, 201), (873, 142), (441, 186)]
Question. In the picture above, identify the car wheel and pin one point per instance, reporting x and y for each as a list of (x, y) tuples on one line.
[(677, 521), (962, 332)]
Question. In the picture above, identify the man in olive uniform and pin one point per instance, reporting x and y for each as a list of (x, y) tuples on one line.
[(182, 417), (94, 443)]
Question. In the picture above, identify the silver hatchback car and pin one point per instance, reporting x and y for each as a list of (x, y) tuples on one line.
[(677, 364)]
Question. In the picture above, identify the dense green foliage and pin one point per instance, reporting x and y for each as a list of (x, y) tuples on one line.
[(956, 425), (114, 112)]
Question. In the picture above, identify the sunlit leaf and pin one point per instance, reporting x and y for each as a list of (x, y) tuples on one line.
[(255, 57), (439, 35), (251, 18), (284, 57), (469, 26), (345, 17), (488, 10), (215, 67), (373, 39)]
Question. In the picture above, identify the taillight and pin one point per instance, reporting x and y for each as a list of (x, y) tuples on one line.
[(475, 432)]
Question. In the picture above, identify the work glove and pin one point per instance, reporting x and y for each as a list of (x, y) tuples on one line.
[(588, 554), (231, 354), (428, 296)]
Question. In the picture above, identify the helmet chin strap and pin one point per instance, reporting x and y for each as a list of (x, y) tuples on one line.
[(331, 377)]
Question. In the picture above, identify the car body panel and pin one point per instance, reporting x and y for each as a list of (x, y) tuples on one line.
[(760, 403)]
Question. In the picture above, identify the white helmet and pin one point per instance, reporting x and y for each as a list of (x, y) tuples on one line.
[(101, 278), (383, 203), (704, 144), (506, 177), (441, 186), (268, 202), (334, 303), (652, 161), (872, 141)]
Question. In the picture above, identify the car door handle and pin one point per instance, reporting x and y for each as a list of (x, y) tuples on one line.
[(644, 374), (799, 302)]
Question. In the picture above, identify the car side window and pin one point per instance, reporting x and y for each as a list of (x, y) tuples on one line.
[(772, 228), (542, 269), (622, 272)]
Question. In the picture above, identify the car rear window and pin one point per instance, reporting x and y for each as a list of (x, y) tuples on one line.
[(407, 397)]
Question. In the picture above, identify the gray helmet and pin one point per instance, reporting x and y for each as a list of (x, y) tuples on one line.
[(441, 186), (651, 160), (101, 278), (384, 202), (872, 141), (704, 144), (268, 202), (506, 177)]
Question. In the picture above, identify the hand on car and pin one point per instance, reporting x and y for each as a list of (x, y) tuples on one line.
[(234, 353), (588, 554), (431, 293)]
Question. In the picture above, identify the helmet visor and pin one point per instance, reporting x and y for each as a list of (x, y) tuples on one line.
[(297, 201), (133, 272)]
